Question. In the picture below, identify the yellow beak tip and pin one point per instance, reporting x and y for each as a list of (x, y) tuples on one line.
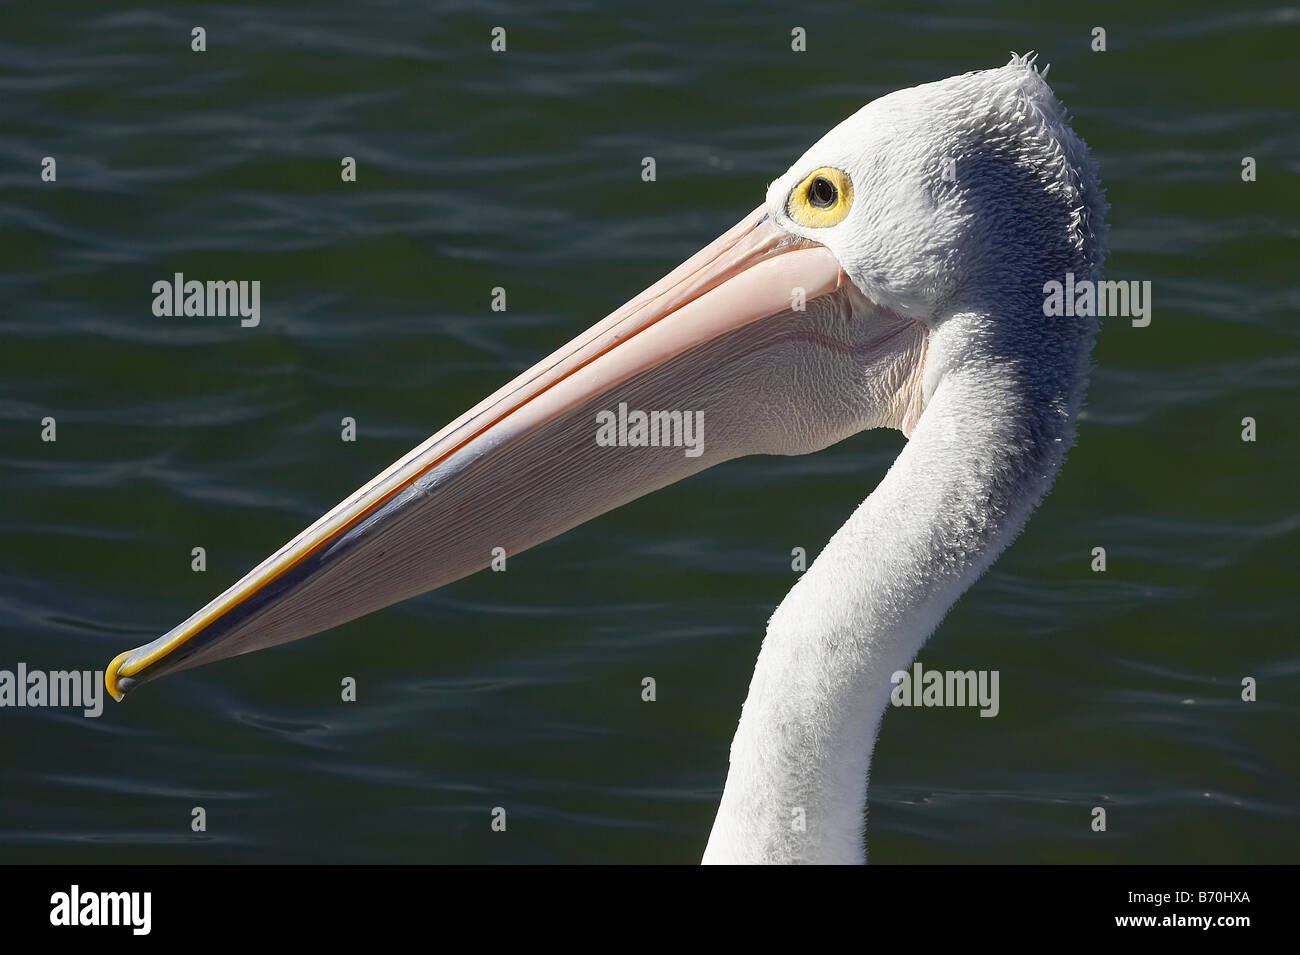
[(111, 675)]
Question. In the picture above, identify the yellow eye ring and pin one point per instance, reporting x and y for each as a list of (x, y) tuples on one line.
[(822, 199)]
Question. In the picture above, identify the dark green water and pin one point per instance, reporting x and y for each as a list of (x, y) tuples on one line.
[(521, 690)]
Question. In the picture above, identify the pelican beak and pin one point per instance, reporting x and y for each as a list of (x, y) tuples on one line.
[(547, 452)]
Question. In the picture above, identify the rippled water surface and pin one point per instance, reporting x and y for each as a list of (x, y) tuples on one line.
[(521, 690)]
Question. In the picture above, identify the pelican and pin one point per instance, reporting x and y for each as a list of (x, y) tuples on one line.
[(892, 278)]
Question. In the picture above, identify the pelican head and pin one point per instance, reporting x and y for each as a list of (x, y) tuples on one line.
[(943, 197), (893, 277)]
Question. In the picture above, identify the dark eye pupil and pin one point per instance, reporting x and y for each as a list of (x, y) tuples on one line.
[(822, 192)]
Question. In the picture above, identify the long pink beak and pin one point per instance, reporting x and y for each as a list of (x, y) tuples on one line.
[(524, 465)]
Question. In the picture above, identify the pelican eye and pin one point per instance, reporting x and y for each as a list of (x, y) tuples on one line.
[(822, 199), (822, 193)]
